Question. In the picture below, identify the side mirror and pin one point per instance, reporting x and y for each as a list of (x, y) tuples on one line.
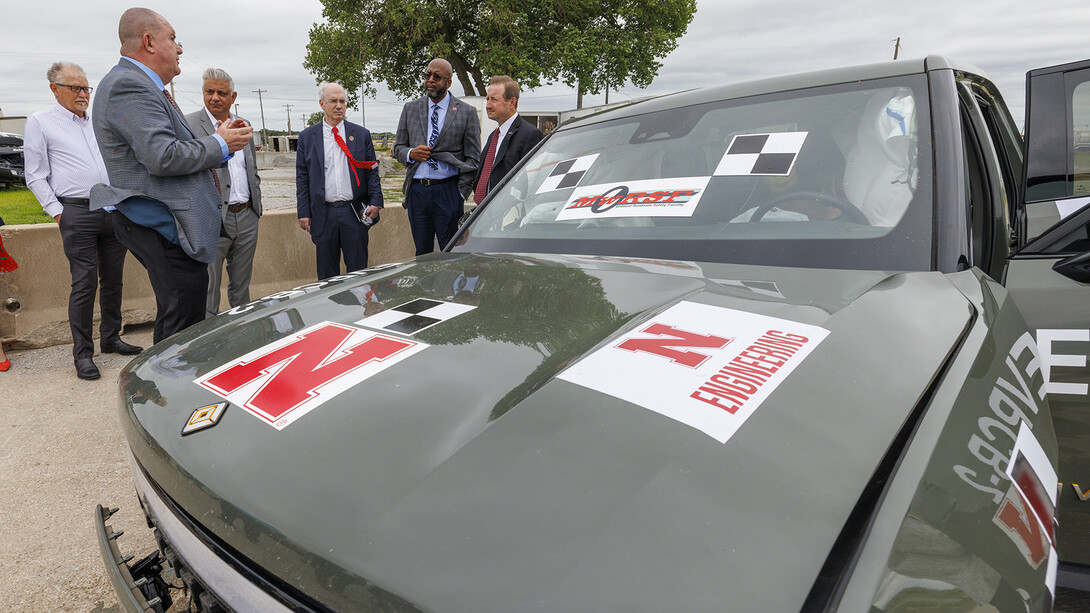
[(1076, 267)]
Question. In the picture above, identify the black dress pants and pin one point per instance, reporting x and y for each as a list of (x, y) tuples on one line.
[(179, 282), (95, 257)]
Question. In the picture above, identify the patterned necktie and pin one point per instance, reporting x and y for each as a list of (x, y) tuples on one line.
[(486, 168), (215, 176), (352, 162), (434, 133)]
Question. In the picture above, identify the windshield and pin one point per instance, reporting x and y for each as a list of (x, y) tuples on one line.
[(834, 177)]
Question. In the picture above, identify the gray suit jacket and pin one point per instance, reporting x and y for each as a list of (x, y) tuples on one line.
[(202, 126), (150, 152), (459, 142)]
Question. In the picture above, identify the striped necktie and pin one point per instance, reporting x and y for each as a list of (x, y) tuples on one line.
[(434, 133)]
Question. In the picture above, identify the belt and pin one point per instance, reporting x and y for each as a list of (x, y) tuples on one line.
[(339, 203), (430, 182), (234, 208), (78, 201)]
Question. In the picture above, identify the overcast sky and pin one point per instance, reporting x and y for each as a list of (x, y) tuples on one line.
[(261, 43)]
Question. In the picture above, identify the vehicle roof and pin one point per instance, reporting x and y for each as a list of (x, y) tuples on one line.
[(845, 74)]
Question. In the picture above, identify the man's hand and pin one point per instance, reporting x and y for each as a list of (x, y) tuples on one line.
[(57, 218), (371, 211), (420, 153), (236, 134), (304, 223)]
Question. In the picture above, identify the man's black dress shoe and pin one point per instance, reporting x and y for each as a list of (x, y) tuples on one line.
[(86, 369), (121, 347)]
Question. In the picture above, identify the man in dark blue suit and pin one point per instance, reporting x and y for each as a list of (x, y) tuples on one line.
[(512, 139), (336, 185)]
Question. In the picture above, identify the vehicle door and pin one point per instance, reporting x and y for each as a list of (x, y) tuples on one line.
[(1049, 278)]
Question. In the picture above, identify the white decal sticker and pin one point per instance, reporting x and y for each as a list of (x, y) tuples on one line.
[(705, 366), (761, 154), (281, 382), (415, 316), (1034, 477), (675, 197), (1046, 338), (567, 173), (1070, 206)]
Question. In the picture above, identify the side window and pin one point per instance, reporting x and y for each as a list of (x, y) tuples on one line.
[(988, 190), (1057, 155), (1080, 139)]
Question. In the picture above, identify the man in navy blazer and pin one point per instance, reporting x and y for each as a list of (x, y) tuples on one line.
[(162, 192), (338, 193), (509, 142)]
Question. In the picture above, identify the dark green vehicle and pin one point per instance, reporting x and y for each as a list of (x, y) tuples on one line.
[(809, 343)]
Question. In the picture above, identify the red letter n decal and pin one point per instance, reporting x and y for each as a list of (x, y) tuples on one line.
[(667, 347), (293, 373)]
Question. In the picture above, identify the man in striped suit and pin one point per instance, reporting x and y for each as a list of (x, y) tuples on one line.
[(62, 163)]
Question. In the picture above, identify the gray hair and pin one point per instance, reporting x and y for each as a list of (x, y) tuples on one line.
[(54, 72), (219, 74), (324, 87)]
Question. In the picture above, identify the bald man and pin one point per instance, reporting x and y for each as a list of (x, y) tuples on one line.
[(439, 141), (163, 187)]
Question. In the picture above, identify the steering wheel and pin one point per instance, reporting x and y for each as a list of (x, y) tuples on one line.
[(850, 213)]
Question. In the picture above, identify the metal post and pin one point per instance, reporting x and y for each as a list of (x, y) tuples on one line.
[(264, 134)]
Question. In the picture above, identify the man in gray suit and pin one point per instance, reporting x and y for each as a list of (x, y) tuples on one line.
[(438, 139), (163, 193), (240, 188)]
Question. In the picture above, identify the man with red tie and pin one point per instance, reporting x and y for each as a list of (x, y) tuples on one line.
[(336, 185), (513, 139)]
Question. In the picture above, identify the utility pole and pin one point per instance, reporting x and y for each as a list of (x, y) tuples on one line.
[(288, 106), (896, 47), (236, 109), (303, 120), (264, 134)]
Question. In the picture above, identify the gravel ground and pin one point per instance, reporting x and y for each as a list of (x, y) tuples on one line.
[(62, 452), (278, 182)]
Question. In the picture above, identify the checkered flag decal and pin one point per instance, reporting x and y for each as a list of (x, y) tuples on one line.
[(761, 154), (412, 317), (567, 173)]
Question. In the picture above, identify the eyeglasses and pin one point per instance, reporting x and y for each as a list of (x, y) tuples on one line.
[(76, 88), (438, 76)]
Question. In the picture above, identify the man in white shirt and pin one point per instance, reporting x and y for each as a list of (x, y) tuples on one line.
[(337, 189), (62, 162), (240, 188)]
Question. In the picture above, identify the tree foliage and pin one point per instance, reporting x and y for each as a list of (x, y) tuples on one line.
[(590, 44)]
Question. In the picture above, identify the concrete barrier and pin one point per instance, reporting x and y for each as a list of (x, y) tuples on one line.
[(34, 298)]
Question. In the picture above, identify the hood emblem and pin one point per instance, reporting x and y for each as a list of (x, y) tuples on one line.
[(204, 417)]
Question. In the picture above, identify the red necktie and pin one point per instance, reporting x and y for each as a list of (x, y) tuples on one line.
[(486, 169), (215, 177), (352, 162)]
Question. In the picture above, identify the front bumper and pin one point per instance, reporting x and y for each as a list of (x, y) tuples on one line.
[(190, 555)]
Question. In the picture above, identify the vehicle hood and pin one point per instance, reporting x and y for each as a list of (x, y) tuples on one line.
[(476, 472)]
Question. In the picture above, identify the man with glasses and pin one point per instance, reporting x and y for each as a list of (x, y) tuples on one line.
[(162, 175), (338, 194), (438, 139), (240, 190), (62, 163)]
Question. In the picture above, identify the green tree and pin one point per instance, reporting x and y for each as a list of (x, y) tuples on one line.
[(590, 44), (315, 118)]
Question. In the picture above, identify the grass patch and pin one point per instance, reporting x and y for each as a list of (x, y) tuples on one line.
[(19, 206)]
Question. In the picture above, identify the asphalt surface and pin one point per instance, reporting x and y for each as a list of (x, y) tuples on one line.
[(61, 452)]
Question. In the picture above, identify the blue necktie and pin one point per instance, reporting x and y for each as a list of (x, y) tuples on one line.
[(434, 133)]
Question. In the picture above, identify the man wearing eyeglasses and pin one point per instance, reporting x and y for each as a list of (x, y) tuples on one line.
[(162, 175), (62, 163), (438, 140), (240, 188)]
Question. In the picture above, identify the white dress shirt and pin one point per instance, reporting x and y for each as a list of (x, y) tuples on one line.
[(236, 166), (61, 157), (504, 128), (337, 176)]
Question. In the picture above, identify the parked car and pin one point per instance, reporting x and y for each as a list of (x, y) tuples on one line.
[(813, 343), (11, 160)]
